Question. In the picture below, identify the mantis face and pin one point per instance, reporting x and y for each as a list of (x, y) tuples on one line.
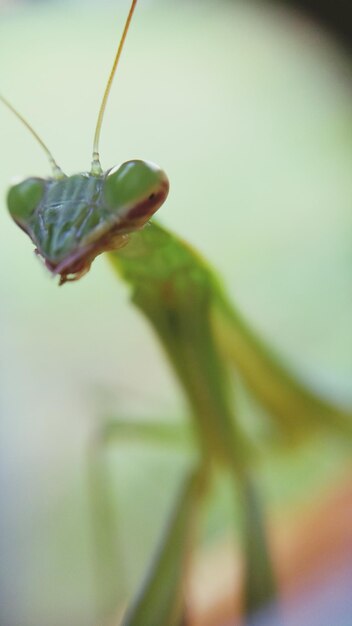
[(72, 219)]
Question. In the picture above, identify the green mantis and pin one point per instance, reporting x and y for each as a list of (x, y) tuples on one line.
[(71, 220)]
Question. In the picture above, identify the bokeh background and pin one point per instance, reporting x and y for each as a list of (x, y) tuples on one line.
[(247, 106)]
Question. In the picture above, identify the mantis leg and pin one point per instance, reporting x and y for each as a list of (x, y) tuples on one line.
[(159, 602), (297, 410), (259, 587), (259, 580), (160, 599), (104, 523), (151, 431)]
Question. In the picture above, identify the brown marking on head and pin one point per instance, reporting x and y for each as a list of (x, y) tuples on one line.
[(144, 210)]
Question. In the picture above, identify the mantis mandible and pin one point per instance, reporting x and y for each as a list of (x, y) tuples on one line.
[(71, 220)]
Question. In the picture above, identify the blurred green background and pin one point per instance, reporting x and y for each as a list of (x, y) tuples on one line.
[(248, 109)]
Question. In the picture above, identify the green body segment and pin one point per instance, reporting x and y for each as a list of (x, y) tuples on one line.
[(175, 290), (203, 334)]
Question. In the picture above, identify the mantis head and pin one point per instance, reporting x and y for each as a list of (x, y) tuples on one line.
[(72, 219)]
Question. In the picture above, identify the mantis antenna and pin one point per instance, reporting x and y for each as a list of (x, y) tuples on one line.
[(57, 171), (96, 167)]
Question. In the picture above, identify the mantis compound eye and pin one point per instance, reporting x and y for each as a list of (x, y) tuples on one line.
[(23, 199), (136, 189)]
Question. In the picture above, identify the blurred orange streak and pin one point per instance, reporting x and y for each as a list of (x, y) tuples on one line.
[(307, 544)]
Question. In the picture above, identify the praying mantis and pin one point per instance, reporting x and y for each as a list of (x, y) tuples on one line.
[(72, 219)]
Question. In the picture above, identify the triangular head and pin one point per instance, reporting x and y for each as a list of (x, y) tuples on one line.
[(72, 219)]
